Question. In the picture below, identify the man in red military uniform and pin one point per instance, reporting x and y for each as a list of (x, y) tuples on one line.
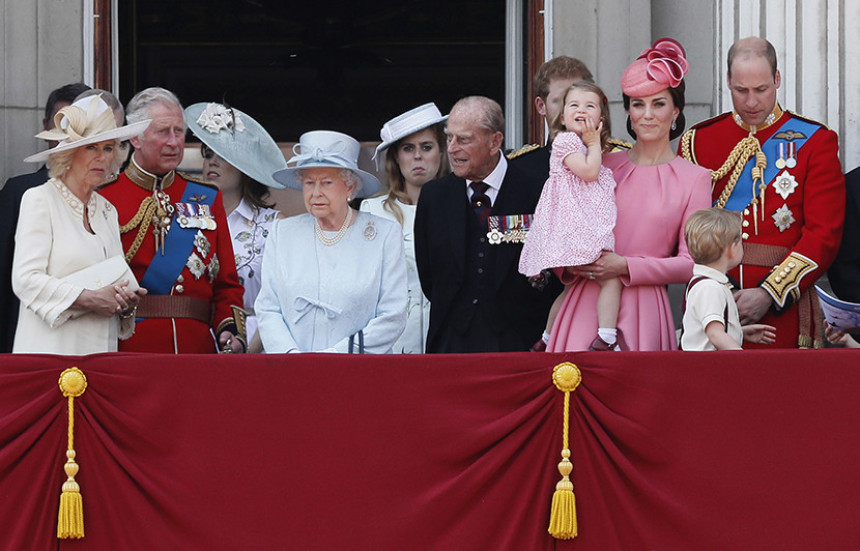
[(782, 173), (174, 232)]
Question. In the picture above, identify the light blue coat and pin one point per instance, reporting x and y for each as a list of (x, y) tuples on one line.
[(313, 296)]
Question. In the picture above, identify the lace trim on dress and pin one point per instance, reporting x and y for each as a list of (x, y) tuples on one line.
[(71, 199)]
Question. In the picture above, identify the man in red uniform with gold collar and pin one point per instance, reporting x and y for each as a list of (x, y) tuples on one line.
[(174, 232), (782, 173)]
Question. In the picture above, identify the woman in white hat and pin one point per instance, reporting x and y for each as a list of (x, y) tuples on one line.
[(413, 152), (77, 294), (239, 157), (334, 280)]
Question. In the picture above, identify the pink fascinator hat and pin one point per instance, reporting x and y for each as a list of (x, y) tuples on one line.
[(661, 66)]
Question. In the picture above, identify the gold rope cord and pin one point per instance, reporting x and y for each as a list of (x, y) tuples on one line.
[(143, 219), (562, 521), (743, 151), (70, 518)]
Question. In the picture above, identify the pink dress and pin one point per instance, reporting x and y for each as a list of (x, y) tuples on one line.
[(574, 219), (653, 205)]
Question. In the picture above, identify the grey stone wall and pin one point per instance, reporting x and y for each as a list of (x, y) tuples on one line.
[(42, 49)]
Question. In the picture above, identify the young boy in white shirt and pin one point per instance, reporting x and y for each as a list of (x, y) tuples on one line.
[(711, 320)]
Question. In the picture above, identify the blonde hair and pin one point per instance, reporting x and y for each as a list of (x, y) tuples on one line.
[(709, 232), (60, 163), (396, 181)]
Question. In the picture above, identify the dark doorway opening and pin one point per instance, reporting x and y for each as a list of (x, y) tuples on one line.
[(297, 66)]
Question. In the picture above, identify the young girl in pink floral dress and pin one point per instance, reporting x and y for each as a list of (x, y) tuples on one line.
[(575, 216)]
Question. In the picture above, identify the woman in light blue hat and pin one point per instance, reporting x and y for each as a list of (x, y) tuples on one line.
[(413, 152), (334, 279), (239, 156)]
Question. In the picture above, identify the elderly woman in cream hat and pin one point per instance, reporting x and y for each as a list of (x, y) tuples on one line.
[(77, 294), (334, 280), (413, 152), (239, 157)]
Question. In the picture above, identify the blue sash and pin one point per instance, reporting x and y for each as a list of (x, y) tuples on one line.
[(742, 195), (164, 269)]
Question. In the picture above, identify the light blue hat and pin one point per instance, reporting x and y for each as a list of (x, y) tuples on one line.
[(327, 149), (238, 139)]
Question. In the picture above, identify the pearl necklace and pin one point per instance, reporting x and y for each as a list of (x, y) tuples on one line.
[(329, 241), (72, 200)]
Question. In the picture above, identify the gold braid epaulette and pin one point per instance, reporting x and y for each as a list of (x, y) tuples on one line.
[(522, 151), (142, 221), (743, 151)]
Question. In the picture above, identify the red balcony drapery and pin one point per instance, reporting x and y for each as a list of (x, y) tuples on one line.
[(706, 451)]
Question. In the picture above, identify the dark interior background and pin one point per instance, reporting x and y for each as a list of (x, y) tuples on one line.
[(297, 66)]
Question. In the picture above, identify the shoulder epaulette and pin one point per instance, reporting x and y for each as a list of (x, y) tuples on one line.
[(712, 120), (807, 119), (522, 151), (619, 145), (197, 179)]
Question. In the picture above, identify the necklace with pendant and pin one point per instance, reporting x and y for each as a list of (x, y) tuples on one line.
[(329, 241)]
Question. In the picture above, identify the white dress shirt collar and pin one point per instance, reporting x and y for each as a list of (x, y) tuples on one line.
[(494, 180)]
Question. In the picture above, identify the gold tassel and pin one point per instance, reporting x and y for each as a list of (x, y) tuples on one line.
[(70, 520), (562, 518)]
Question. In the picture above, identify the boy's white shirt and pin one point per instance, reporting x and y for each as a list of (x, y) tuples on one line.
[(706, 302)]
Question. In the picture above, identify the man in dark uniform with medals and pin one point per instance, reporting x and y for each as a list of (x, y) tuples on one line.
[(469, 230), (174, 231), (782, 173)]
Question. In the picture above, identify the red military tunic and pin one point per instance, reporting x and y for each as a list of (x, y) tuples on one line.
[(215, 285), (799, 226)]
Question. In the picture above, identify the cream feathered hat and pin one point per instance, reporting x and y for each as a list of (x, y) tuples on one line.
[(88, 120)]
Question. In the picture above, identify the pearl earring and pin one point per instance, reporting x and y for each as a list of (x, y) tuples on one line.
[(674, 123)]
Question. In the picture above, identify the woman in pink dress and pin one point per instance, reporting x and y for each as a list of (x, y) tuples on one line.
[(655, 193), (575, 217)]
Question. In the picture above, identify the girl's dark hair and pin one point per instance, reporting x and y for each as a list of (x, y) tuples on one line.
[(677, 95), (253, 192), (557, 125)]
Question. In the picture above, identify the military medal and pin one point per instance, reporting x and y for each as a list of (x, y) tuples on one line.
[(195, 265), (785, 184), (202, 244), (494, 235), (214, 268), (187, 215), (207, 219), (780, 162), (783, 218), (791, 162), (195, 216), (511, 228)]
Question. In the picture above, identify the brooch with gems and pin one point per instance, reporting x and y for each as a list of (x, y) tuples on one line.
[(370, 231)]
